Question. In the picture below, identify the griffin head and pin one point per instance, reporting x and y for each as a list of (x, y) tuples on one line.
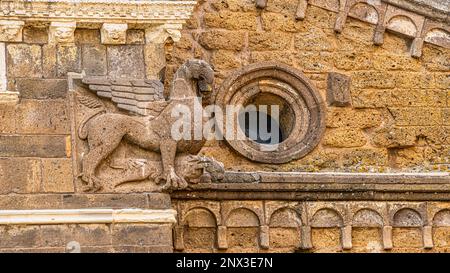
[(202, 72)]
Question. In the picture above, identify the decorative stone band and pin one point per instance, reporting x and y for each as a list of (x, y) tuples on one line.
[(423, 23), (144, 11), (113, 17), (87, 216), (307, 215), (160, 19)]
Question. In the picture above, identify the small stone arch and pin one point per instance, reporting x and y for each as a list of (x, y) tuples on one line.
[(407, 217), (285, 228), (243, 229), (242, 217), (200, 217), (199, 229), (367, 218), (327, 217), (438, 36), (403, 24), (442, 218), (285, 217), (367, 230), (364, 12)]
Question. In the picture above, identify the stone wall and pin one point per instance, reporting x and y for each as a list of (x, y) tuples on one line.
[(398, 116), (387, 111), (395, 120)]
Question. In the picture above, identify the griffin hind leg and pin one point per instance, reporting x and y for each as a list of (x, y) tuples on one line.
[(91, 161)]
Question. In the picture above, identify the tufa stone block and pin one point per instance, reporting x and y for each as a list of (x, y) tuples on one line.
[(30, 88), (57, 175), (35, 146)]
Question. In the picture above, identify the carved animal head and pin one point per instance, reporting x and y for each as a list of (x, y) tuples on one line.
[(202, 74)]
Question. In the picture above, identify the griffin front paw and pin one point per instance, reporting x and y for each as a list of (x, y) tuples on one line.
[(172, 181)]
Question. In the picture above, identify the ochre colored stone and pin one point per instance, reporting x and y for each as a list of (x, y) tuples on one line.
[(68, 58), (344, 138), (20, 175), (269, 41), (219, 39), (231, 20), (24, 60), (57, 175), (43, 117)]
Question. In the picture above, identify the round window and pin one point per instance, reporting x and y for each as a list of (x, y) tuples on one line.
[(281, 115)]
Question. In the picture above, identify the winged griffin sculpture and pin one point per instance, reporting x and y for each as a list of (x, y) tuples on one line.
[(146, 120)]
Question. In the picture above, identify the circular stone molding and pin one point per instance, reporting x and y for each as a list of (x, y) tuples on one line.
[(302, 110)]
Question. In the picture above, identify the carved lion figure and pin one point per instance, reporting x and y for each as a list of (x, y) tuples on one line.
[(149, 126)]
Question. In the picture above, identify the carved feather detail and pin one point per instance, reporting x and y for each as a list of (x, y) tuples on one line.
[(90, 102), (143, 97)]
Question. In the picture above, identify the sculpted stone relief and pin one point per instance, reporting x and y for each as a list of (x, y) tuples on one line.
[(126, 137)]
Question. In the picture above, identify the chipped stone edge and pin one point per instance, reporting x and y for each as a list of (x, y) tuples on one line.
[(87, 216)]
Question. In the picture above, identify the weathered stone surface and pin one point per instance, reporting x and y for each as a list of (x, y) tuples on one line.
[(94, 60), (68, 58), (87, 36), (34, 35), (222, 40), (24, 61), (115, 201), (7, 118), (269, 41), (42, 117), (19, 175), (231, 20), (344, 138), (34, 146), (126, 61), (155, 60), (135, 36), (142, 235), (49, 65), (19, 237), (338, 118), (41, 88), (338, 91), (57, 175)]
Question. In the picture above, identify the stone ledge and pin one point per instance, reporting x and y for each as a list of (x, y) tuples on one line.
[(324, 186), (6, 96), (86, 216)]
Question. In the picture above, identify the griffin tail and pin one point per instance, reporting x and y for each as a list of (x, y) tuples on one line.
[(92, 104)]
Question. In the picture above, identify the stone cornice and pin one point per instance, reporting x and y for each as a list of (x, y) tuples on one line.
[(91, 11), (324, 186)]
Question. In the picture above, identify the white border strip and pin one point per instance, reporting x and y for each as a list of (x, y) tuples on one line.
[(86, 216)]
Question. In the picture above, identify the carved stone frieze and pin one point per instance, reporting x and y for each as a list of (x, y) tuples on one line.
[(304, 217), (102, 11), (113, 17)]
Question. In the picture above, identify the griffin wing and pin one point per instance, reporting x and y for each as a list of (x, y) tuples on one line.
[(143, 97)]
